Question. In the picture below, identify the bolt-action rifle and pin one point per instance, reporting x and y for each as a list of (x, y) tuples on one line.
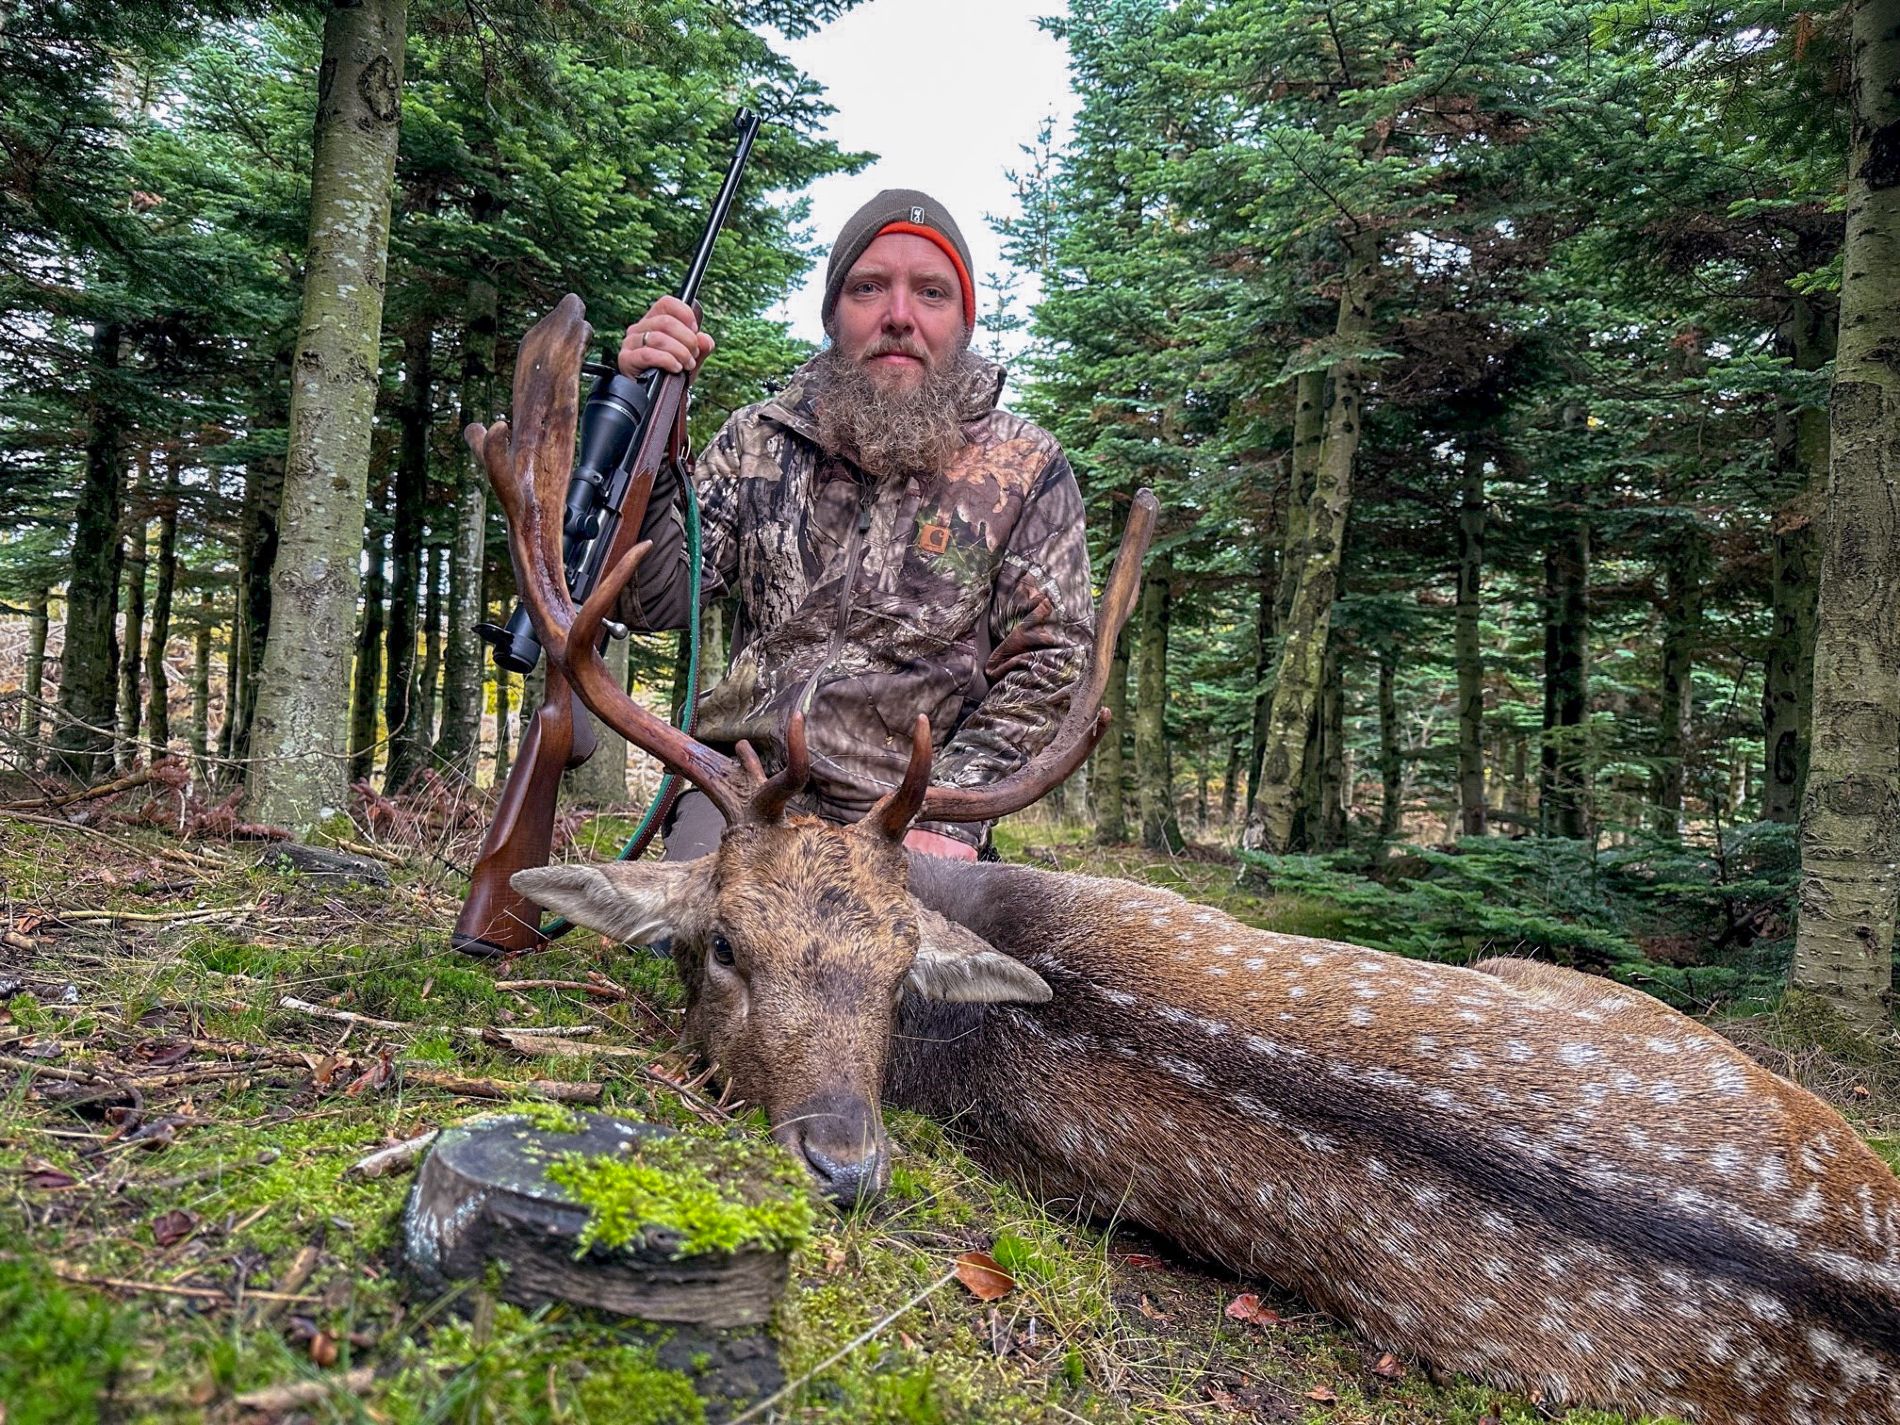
[(630, 429)]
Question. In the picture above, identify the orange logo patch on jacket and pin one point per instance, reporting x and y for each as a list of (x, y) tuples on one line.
[(933, 538)]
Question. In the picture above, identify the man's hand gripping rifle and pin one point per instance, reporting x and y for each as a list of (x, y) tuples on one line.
[(631, 428)]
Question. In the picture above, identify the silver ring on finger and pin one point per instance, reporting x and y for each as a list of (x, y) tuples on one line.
[(643, 340)]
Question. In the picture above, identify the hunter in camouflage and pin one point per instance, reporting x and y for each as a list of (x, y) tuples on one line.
[(867, 596), (963, 595)]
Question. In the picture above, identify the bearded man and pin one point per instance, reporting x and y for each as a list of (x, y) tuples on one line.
[(897, 543)]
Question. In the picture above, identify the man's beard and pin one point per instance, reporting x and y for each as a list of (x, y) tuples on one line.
[(887, 430)]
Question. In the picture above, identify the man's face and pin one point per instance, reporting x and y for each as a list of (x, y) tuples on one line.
[(901, 311)]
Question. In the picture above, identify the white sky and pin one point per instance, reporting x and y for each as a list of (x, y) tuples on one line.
[(944, 91)]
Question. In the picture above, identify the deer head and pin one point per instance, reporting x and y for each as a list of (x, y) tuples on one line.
[(796, 939)]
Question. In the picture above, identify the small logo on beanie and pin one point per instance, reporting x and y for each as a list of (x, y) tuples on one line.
[(916, 215)]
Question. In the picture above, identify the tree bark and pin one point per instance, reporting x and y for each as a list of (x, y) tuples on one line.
[(1309, 440), (298, 752), (405, 565), (503, 738), (1327, 822), (1391, 768), (369, 655), (1308, 621), (89, 662), (435, 567), (158, 720), (1154, 767), (32, 717), (1468, 645), (458, 741), (132, 641), (601, 781), (201, 694), (1682, 623), (1806, 338), (1563, 793), (1850, 815), (1108, 777), (257, 561)]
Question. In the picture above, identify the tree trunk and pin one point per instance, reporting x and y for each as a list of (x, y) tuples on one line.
[(298, 745), (1682, 620), (1230, 782), (434, 565), (601, 781), (32, 716), (1850, 816), (1806, 338), (369, 655), (1468, 646), (257, 563), (158, 719), (1154, 766), (1264, 648), (1309, 440), (201, 695), (1564, 788), (1330, 790), (1391, 768), (400, 716), (503, 742), (1108, 777), (457, 743), (132, 640), (89, 662), (1308, 622)]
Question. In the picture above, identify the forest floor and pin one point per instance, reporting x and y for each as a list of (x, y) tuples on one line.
[(183, 1096)]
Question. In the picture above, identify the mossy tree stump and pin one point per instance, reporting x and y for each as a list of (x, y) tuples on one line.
[(627, 1217)]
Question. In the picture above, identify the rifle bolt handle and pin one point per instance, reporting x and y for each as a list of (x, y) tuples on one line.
[(614, 630)]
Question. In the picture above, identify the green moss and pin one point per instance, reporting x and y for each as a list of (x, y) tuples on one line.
[(537, 1370), (61, 1353), (717, 1194), (548, 1117), (28, 1012)]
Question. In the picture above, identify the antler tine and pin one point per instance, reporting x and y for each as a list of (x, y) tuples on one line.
[(768, 803), (1087, 720), (529, 470), (891, 814)]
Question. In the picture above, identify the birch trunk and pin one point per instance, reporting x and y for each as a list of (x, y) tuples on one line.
[(1850, 815), (158, 720), (298, 767), (1308, 622), (369, 657), (125, 749), (32, 717), (201, 696), (405, 565)]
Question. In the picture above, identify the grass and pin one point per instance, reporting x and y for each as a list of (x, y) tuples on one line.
[(226, 1176)]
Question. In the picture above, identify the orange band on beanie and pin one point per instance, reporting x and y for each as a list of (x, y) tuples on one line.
[(956, 261)]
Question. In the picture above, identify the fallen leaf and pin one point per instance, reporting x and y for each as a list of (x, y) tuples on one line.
[(1247, 1307), (985, 1280), (906, 1340), (1143, 1261), (162, 1055), (1860, 1091), (323, 1349), (1148, 1309), (1324, 1394), (834, 1260), (170, 1228), (1389, 1366), (374, 1077), (50, 1179)]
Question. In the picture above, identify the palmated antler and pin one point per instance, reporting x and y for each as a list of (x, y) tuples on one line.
[(915, 799), (528, 468)]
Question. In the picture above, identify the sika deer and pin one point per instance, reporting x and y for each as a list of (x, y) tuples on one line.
[(1516, 1171)]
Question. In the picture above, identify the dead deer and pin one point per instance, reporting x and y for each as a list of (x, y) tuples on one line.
[(1547, 1181)]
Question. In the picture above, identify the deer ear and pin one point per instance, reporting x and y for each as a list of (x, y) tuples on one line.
[(635, 903), (961, 966)]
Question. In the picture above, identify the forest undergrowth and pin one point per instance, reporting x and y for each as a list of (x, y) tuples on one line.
[(195, 1049)]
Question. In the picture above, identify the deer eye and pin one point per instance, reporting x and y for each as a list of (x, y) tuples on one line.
[(722, 949)]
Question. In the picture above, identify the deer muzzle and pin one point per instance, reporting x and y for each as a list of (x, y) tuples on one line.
[(840, 1140)]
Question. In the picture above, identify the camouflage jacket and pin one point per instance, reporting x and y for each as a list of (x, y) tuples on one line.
[(963, 595)]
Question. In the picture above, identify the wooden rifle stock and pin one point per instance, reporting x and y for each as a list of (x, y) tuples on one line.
[(496, 919)]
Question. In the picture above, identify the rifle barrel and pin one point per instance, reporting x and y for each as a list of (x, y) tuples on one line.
[(747, 125)]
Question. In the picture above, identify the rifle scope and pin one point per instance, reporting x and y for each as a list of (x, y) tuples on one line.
[(612, 421)]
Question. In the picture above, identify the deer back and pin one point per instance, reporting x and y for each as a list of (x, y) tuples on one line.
[(1546, 1180)]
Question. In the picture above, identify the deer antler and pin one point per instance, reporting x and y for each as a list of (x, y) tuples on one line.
[(1086, 721), (528, 468)]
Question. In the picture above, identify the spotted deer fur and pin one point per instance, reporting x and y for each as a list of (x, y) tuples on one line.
[(1545, 1180)]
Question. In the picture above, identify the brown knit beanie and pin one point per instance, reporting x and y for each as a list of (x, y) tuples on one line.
[(899, 210)]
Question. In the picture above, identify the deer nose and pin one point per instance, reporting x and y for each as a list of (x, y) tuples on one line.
[(842, 1145)]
